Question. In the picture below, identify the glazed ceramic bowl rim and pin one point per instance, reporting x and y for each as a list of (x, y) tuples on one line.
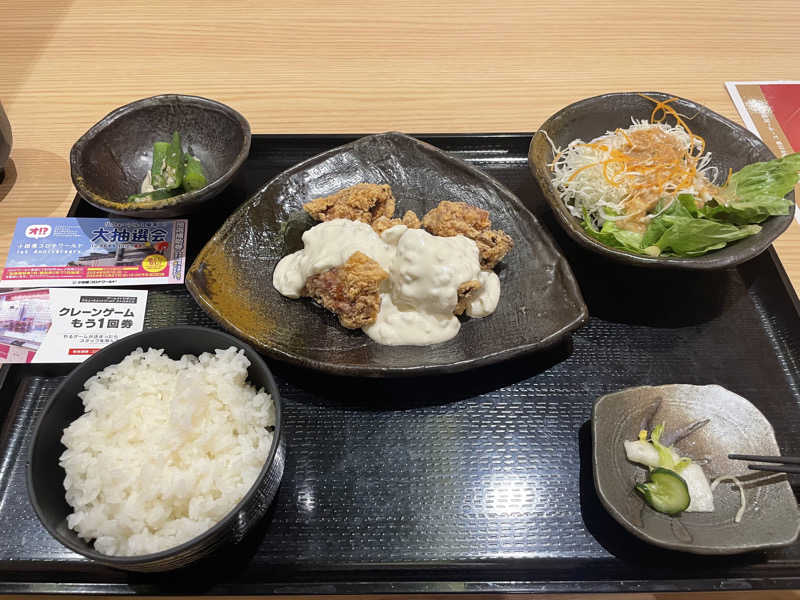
[(184, 199), (754, 245), (86, 370)]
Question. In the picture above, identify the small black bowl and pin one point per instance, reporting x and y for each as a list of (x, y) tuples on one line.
[(731, 146), (45, 477), (109, 162)]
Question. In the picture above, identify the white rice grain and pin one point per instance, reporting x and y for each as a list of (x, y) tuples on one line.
[(164, 450)]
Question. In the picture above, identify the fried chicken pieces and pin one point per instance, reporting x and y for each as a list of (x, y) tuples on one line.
[(349, 291), (352, 290), (410, 220), (465, 291), (363, 202), (454, 218), (369, 203)]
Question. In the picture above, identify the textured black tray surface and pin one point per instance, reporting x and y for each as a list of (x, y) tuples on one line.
[(479, 481)]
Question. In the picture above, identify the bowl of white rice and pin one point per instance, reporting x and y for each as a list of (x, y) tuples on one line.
[(158, 449)]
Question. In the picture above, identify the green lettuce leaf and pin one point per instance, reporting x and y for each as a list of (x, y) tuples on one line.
[(686, 236), (658, 226), (772, 178), (750, 211), (756, 192), (683, 229), (653, 233), (689, 205), (614, 237)]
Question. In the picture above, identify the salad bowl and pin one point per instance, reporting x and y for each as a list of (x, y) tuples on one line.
[(730, 145)]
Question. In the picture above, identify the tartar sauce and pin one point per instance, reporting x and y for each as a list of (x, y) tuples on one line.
[(425, 271), (329, 245)]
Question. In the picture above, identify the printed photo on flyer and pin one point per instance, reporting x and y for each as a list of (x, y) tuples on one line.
[(65, 325)]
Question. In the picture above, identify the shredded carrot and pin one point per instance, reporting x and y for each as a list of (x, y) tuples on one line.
[(620, 131), (666, 110), (555, 159), (728, 178), (651, 163), (595, 146), (571, 177)]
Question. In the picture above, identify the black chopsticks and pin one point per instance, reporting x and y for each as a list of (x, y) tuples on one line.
[(785, 464)]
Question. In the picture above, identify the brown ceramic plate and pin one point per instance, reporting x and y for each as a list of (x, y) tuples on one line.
[(110, 160), (731, 146), (232, 276), (771, 518)]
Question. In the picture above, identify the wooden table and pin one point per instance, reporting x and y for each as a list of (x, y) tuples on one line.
[(303, 67)]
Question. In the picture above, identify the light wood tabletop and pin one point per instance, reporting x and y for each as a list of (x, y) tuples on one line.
[(318, 67), (305, 67)]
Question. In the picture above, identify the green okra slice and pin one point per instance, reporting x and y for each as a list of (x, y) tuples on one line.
[(194, 176), (173, 168), (158, 177)]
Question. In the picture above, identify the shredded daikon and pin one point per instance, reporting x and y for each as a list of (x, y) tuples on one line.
[(622, 175), (743, 499)]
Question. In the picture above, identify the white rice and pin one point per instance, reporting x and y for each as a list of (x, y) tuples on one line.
[(164, 450)]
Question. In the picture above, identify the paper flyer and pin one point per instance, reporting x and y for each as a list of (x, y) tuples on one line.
[(62, 325), (771, 110), (70, 252)]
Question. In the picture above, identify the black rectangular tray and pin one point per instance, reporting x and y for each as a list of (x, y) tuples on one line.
[(476, 482)]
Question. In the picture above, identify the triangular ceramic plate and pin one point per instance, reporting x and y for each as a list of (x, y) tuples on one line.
[(232, 277)]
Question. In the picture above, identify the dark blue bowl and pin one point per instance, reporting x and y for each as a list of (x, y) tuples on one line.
[(45, 477)]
